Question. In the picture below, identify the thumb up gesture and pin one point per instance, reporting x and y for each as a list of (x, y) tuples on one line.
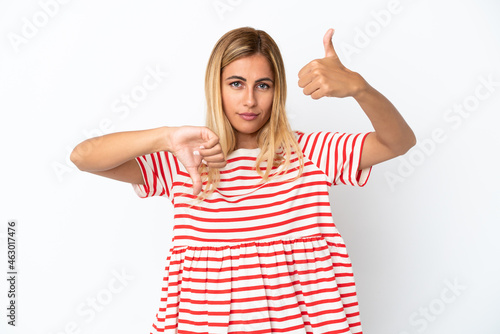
[(328, 77)]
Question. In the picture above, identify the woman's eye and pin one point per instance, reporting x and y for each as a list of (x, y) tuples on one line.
[(263, 86), (235, 84)]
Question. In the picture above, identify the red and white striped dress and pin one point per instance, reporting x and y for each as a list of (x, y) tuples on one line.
[(259, 258)]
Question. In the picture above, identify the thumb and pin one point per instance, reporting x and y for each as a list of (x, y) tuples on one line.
[(196, 177), (328, 44)]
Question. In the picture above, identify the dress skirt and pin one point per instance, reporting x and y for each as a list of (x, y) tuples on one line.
[(285, 286)]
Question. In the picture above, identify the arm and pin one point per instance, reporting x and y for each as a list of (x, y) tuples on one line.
[(328, 77), (392, 136), (113, 155)]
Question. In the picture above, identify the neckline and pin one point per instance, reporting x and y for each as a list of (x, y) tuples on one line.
[(245, 151)]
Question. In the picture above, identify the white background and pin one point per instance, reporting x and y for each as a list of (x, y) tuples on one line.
[(422, 234)]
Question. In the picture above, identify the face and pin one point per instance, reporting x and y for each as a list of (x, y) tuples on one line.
[(247, 87)]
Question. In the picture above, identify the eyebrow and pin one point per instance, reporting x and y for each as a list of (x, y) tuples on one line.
[(245, 80)]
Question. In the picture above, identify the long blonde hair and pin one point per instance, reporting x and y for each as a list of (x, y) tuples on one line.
[(275, 138)]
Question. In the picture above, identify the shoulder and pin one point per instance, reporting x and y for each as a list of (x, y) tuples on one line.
[(303, 138)]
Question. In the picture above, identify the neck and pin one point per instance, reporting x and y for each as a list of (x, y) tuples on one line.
[(247, 141)]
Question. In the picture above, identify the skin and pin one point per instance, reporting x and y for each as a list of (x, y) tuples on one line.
[(328, 77), (248, 87)]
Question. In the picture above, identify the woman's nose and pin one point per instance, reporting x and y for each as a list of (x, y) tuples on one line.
[(250, 100)]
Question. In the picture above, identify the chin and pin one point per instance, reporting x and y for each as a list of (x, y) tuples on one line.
[(247, 132)]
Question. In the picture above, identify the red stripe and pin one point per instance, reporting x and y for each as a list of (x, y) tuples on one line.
[(359, 162), (251, 168), (162, 171), (266, 308), (254, 310), (336, 153), (269, 319), (256, 217), (328, 152), (348, 305), (252, 207), (155, 173), (261, 196), (267, 236), (145, 176), (241, 229), (264, 255), (259, 185), (344, 156), (313, 147), (329, 322), (351, 158), (161, 330), (177, 298), (262, 331), (247, 158), (265, 185), (252, 159), (304, 148), (201, 323), (267, 276), (257, 242), (169, 166), (323, 142), (204, 292), (312, 227), (246, 300), (172, 284), (274, 265), (299, 135), (250, 277), (356, 324), (186, 183), (175, 284), (347, 295), (168, 182)]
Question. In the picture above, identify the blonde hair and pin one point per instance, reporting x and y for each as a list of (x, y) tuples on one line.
[(275, 138)]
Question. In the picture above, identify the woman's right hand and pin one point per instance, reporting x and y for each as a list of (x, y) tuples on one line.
[(193, 146), (113, 155)]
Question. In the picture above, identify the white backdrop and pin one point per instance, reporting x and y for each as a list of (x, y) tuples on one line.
[(422, 234)]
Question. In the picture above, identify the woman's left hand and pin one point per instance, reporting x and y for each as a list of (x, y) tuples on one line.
[(328, 77)]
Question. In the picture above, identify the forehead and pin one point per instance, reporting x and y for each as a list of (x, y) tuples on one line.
[(252, 66)]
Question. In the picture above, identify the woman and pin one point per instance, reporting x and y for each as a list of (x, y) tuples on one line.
[(255, 248)]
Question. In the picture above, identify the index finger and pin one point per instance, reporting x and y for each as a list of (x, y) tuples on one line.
[(306, 69), (211, 139)]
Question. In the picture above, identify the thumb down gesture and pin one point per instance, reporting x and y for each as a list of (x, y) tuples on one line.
[(194, 146)]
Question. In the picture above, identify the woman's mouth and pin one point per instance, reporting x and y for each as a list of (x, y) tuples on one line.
[(248, 116)]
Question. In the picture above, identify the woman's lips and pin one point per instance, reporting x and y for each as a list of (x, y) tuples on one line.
[(248, 116)]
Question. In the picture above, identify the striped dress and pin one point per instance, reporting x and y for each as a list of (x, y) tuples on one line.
[(259, 258)]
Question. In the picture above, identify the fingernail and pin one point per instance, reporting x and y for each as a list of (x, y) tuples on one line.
[(204, 161), (202, 147), (196, 153)]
